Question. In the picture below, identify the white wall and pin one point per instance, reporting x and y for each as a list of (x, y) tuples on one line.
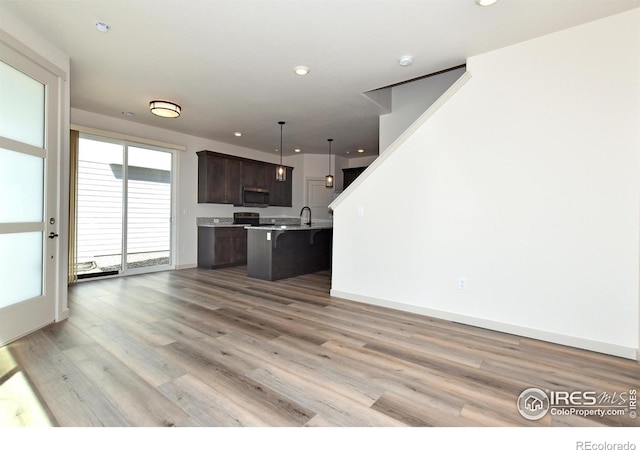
[(526, 184), (409, 101)]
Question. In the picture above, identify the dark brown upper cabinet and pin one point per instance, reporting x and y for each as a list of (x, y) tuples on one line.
[(349, 175), (221, 179)]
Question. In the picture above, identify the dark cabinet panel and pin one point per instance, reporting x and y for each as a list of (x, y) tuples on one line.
[(219, 179), (280, 192), (221, 246), (211, 187), (232, 181), (253, 175), (349, 175)]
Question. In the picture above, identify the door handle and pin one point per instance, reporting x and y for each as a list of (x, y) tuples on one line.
[(53, 235)]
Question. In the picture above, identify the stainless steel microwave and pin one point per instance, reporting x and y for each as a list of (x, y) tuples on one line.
[(256, 197)]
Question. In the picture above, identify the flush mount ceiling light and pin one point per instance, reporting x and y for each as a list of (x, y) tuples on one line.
[(406, 60), (103, 27), (164, 109), (281, 172), (301, 70), (485, 2), (328, 180)]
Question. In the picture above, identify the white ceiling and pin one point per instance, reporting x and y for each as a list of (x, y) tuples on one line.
[(229, 63)]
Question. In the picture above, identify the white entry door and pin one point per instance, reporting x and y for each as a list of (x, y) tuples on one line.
[(28, 225), (318, 199)]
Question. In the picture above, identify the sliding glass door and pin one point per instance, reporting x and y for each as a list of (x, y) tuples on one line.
[(124, 208)]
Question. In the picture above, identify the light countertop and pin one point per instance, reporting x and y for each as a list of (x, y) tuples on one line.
[(292, 227)]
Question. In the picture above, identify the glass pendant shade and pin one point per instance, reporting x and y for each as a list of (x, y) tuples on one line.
[(281, 171), (328, 180)]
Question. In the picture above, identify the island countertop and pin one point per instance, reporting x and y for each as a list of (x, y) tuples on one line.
[(274, 227)]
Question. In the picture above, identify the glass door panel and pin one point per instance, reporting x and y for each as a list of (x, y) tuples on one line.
[(22, 107), (148, 208), (22, 261), (100, 209), (21, 187)]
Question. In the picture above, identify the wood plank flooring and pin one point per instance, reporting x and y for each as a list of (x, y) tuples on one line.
[(215, 348)]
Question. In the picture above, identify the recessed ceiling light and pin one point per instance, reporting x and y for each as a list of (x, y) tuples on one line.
[(297, 150), (360, 150), (103, 27), (237, 133), (301, 70), (485, 2), (406, 60)]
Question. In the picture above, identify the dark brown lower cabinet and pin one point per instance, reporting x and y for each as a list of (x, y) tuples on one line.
[(221, 246)]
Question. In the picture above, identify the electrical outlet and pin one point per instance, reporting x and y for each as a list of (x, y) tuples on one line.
[(360, 211), (462, 284)]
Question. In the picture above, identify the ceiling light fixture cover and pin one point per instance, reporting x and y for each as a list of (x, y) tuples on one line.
[(301, 70), (281, 171), (485, 2), (103, 27), (406, 60), (328, 180), (165, 109)]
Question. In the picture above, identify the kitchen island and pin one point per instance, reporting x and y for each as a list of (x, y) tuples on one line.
[(277, 252)]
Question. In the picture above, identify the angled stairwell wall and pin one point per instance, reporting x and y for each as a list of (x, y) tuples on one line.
[(523, 180)]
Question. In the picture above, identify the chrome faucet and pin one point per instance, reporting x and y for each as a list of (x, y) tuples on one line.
[(302, 212)]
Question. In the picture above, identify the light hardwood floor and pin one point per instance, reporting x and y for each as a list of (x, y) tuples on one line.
[(215, 348)]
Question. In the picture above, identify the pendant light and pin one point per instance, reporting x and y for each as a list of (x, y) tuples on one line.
[(281, 171), (328, 180)]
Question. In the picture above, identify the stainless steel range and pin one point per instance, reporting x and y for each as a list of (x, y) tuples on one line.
[(246, 218)]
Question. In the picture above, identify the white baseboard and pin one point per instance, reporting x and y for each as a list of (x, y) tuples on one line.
[(572, 341), (186, 266)]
